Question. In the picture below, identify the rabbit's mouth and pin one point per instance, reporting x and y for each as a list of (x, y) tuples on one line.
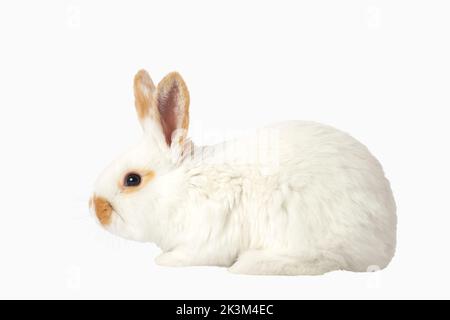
[(118, 214), (113, 220), (104, 210)]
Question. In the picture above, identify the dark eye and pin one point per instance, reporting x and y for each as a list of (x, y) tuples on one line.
[(132, 180)]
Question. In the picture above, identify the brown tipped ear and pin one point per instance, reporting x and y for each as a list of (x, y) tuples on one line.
[(144, 96), (173, 105)]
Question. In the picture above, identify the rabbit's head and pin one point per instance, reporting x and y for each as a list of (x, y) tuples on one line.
[(132, 195)]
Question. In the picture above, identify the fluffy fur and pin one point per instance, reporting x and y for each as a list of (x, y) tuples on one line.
[(296, 198)]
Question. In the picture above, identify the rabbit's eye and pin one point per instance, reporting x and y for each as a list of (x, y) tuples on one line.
[(132, 180)]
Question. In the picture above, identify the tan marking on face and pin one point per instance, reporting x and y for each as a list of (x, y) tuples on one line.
[(146, 177), (103, 210)]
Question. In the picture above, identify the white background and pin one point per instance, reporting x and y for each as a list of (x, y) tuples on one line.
[(379, 70)]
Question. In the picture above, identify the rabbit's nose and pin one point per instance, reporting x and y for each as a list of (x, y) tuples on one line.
[(103, 210)]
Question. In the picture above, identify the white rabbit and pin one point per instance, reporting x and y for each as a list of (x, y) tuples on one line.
[(297, 198)]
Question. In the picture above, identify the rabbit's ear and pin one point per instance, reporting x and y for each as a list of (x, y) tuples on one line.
[(172, 99), (145, 103)]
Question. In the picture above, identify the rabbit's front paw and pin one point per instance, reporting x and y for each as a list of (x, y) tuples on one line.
[(172, 259)]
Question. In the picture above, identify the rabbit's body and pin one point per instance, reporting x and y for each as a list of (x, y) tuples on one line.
[(324, 206), (294, 198)]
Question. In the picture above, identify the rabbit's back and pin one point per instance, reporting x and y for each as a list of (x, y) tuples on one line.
[(304, 188)]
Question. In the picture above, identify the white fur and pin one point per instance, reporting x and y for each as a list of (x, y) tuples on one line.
[(307, 200)]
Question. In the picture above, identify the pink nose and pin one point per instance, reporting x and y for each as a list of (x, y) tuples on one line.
[(103, 210)]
